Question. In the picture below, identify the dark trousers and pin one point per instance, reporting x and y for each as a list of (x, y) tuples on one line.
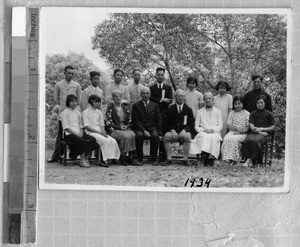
[(78, 145), (162, 151), (56, 154), (154, 141)]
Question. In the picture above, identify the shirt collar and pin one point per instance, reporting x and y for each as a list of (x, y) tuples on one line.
[(162, 85), (180, 106)]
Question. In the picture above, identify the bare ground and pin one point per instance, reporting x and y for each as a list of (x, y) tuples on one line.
[(174, 175)]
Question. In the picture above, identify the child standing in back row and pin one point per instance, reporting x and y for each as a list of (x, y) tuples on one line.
[(193, 98), (223, 101)]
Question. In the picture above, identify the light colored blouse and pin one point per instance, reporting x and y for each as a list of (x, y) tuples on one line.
[(93, 118), (71, 119)]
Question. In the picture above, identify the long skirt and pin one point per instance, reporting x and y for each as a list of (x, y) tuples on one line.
[(79, 145), (125, 139), (108, 145), (209, 143), (231, 147), (252, 146)]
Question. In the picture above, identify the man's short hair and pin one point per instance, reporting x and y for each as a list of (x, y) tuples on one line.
[(118, 70), (178, 91), (143, 89), (94, 73), (254, 77), (137, 69), (68, 67), (160, 69)]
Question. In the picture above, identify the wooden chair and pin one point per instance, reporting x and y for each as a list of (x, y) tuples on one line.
[(63, 150), (268, 150)]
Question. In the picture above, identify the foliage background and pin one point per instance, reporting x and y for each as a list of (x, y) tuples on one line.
[(208, 46)]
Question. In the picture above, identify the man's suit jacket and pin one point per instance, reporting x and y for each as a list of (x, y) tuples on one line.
[(156, 96), (176, 121), (146, 118)]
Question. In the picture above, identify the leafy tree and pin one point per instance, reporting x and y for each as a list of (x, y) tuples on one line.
[(209, 46)]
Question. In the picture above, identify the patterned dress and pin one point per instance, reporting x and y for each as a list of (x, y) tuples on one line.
[(232, 141), (115, 118)]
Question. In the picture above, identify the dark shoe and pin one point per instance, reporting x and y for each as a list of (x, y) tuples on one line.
[(114, 162), (72, 157), (103, 164), (168, 162), (186, 163), (138, 163), (124, 162), (131, 161), (52, 160), (155, 163)]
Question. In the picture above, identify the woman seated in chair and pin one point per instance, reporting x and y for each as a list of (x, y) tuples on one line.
[(238, 125), (118, 125), (79, 142), (261, 124), (93, 121)]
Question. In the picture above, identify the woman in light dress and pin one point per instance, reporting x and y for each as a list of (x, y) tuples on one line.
[(238, 124), (93, 121), (223, 101)]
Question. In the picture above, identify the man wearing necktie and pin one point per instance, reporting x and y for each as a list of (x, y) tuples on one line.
[(179, 125), (161, 94), (147, 124)]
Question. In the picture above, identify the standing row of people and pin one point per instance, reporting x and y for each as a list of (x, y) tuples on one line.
[(136, 112)]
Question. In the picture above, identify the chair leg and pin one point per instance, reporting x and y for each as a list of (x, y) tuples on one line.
[(271, 154), (65, 155)]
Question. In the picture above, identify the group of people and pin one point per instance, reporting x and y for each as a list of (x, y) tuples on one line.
[(204, 124)]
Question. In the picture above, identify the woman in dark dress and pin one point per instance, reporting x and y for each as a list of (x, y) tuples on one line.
[(118, 126), (261, 124)]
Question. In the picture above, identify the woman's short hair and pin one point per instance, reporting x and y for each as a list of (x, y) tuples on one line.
[(192, 79), (70, 98), (118, 70), (94, 73), (263, 97), (116, 92), (237, 98), (94, 98), (223, 83)]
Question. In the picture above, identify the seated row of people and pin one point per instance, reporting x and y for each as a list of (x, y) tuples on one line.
[(161, 94), (128, 135)]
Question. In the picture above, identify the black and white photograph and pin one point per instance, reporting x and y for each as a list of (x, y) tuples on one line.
[(164, 99)]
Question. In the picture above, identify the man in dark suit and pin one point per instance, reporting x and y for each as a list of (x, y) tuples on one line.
[(250, 97), (179, 125), (161, 94), (146, 123)]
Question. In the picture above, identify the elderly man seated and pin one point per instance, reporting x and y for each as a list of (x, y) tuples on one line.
[(208, 124), (179, 124), (146, 123)]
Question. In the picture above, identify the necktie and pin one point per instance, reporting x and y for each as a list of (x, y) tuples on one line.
[(179, 108)]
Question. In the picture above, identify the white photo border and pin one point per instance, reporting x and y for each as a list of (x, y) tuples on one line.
[(288, 153)]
